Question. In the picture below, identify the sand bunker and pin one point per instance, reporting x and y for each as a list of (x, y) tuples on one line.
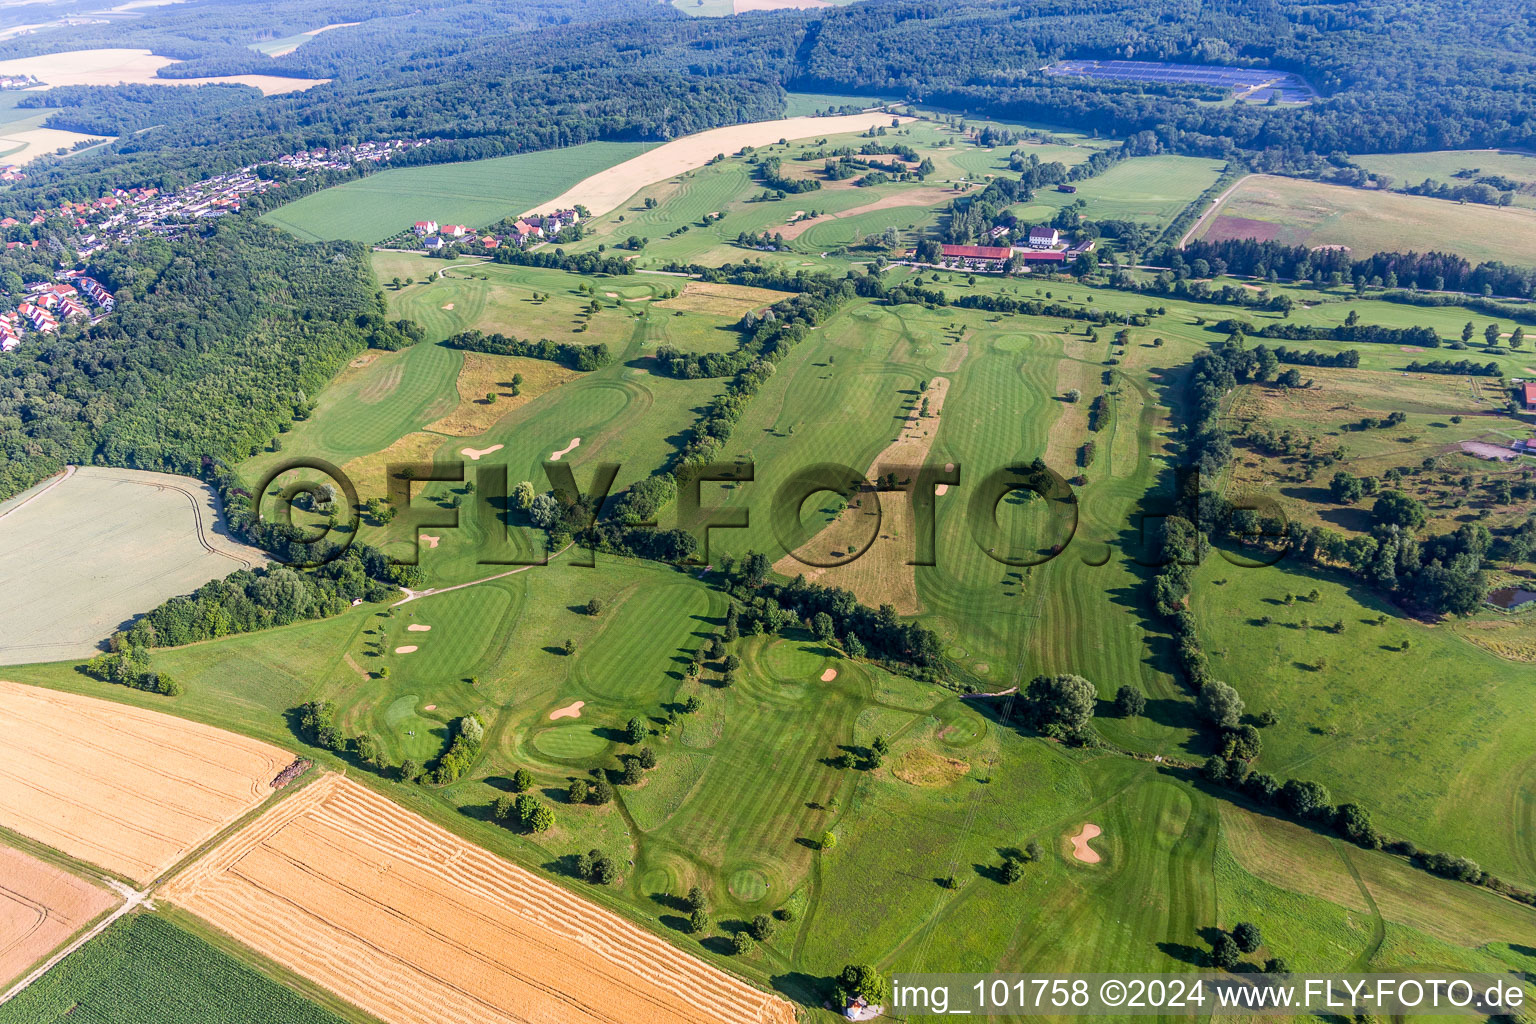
[(569, 711), (1080, 848), (407, 649), (430, 707), (829, 675), (417, 627), (449, 306), (563, 452), (606, 190), (940, 489), (475, 454), (430, 541)]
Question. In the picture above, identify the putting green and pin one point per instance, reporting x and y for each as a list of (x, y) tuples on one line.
[(748, 885), (794, 661), (415, 736), (569, 742)]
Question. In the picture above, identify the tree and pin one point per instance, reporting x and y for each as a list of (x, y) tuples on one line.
[(647, 758), (692, 705), (1063, 703), (1491, 335), (1247, 936), (821, 627), (1276, 965), (634, 773), (578, 791), (600, 792), (522, 780), (1345, 488), (694, 900), (741, 944), (523, 495), (1220, 703), (1467, 331), (541, 818), (366, 747), (635, 731), (1130, 702), (698, 921), (1305, 799), (1394, 508), (1013, 870), (594, 607), (409, 770), (568, 648), (1224, 952), (862, 981), (828, 840), (761, 927)]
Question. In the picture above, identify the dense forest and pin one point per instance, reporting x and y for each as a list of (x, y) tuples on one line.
[(218, 342), (488, 79)]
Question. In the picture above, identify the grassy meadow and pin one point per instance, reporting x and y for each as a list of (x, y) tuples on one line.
[(1445, 165), (1298, 212), (477, 193)]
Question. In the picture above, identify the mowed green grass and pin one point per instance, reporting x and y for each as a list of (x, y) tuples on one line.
[(1430, 738), (145, 969), (1147, 189), (1443, 165), (1297, 212), (476, 193)]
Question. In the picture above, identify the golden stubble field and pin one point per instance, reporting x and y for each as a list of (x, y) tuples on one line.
[(40, 907), (417, 926), (125, 789)]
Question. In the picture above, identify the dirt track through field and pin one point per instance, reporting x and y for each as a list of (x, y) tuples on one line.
[(40, 907), (417, 926), (129, 790)]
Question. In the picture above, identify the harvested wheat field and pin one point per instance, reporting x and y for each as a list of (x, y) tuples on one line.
[(605, 190), (417, 926), (129, 790), (40, 907), (112, 66)]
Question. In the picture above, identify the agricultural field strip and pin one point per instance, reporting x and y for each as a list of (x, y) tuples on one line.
[(241, 888), (604, 191), (127, 789), (40, 906)]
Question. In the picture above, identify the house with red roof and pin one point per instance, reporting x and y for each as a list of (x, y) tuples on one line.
[(1528, 396)]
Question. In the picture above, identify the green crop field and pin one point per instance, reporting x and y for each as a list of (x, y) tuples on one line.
[(476, 193), (145, 969), (1309, 213), (1451, 167)]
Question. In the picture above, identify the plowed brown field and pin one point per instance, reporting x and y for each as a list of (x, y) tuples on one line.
[(130, 790), (40, 907), (415, 925)]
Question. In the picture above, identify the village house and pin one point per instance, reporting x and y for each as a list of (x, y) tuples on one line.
[(1043, 237), (454, 230), (423, 228), (1528, 396), (432, 242)]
